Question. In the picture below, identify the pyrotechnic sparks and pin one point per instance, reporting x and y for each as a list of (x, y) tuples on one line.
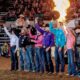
[(61, 6)]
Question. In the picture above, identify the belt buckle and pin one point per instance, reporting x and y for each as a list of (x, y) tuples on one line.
[(44, 46)]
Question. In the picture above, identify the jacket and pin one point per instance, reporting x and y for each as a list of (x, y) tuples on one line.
[(60, 38)]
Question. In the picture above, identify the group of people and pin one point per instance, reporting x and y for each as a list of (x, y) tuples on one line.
[(29, 8), (34, 46)]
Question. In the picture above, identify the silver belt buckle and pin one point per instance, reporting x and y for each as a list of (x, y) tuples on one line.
[(44, 46)]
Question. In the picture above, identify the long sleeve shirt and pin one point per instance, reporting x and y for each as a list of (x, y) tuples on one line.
[(60, 38), (70, 39), (32, 36), (48, 38), (24, 40), (38, 41), (14, 41)]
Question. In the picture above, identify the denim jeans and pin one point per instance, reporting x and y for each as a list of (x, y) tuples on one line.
[(77, 56), (71, 64), (30, 58), (39, 59), (59, 59), (23, 60), (0, 52), (48, 62), (14, 59), (77, 53)]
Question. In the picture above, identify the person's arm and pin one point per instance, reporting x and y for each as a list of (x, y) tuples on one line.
[(77, 30), (7, 32), (74, 43), (51, 28), (63, 40), (39, 29), (31, 36), (28, 22), (39, 40), (51, 40)]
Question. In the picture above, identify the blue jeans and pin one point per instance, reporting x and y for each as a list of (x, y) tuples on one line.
[(30, 58), (39, 59), (0, 52), (71, 65), (23, 60), (48, 62), (77, 53), (59, 59), (14, 59), (77, 56)]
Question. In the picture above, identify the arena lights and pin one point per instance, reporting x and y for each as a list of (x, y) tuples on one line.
[(61, 6)]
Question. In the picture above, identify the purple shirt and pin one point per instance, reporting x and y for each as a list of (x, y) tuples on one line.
[(48, 38)]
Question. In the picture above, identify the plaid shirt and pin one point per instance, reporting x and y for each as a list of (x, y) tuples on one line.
[(70, 40)]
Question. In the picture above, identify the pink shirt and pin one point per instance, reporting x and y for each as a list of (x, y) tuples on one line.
[(38, 41), (70, 39), (32, 36)]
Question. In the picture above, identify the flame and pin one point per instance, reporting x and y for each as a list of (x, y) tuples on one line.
[(61, 6)]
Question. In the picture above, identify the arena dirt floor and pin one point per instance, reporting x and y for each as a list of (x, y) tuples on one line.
[(6, 74)]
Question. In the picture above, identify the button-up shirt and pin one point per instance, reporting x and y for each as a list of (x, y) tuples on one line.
[(60, 38), (48, 37), (14, 41), (24, 40), (70, 39)]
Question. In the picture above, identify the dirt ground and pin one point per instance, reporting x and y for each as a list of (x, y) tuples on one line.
[(6, 74)]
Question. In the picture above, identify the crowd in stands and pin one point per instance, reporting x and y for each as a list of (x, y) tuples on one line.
[(31, 8)]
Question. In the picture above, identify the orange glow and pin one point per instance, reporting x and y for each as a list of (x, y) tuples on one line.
[(61, 6)]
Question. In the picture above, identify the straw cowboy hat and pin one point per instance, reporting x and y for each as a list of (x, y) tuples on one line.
[(21, 15)]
